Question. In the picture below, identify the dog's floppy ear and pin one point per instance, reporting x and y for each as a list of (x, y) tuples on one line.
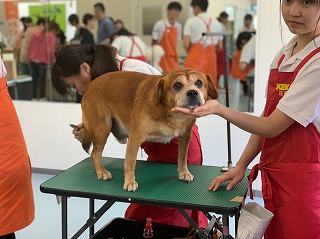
[(212, 90), (159, 92)]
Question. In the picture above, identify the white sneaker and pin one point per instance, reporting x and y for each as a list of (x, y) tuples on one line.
[(43, 99)]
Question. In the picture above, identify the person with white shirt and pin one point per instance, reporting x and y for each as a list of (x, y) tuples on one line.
[(129, 45), (287, 134), (201, 48), (167, 33)]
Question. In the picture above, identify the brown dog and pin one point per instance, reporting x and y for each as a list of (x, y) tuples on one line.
[(137, 107)]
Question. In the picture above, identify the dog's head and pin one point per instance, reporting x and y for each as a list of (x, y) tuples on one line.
[(187, 88)]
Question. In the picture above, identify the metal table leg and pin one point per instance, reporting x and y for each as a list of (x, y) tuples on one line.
[(225, 227), (91, 213), (64, 217)]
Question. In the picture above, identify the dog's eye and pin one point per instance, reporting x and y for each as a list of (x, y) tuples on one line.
[(177, 86), (198, 83)]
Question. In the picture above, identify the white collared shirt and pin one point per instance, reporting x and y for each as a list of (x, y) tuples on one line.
[(136, 66), (159, 28), (3, 70), (302, 101), (194, 28)]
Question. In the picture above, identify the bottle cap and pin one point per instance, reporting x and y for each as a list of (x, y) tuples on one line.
[(148, 224)]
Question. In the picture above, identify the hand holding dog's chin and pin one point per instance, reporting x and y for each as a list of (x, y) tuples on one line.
[(209, 107)]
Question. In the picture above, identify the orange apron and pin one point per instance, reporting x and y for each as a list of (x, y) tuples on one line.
[(168, 153), (141, 57), (236, 73), (169, 61), (16, 195), (290, 170), (203, 58)]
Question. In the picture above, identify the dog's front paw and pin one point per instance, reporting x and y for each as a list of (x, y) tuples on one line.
[(130, 186), (104, 174), (187, 176)]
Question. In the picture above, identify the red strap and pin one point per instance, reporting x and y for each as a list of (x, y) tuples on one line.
[(303, 62), (132, 45), (121, 63), (207, 27)]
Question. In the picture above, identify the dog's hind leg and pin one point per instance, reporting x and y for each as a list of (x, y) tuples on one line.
[(99, 134)]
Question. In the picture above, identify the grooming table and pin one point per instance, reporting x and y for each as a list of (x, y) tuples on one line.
[(158, 186)]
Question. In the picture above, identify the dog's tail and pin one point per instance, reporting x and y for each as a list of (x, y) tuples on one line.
[(86, 142)]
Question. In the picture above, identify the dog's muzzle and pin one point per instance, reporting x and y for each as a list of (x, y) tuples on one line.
[(192, 99)]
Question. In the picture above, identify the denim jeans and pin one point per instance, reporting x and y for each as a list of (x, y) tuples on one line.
[(38, 78)]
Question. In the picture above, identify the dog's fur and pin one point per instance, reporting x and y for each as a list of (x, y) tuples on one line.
[(137, 107)]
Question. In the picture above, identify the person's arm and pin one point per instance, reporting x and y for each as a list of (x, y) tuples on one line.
[(270, 126), (237, 173), (186, 42)]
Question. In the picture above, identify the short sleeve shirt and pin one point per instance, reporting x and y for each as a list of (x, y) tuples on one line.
[(105, 29), (159, 28), (302, 100), (195, 27), (123, 45), (249, 51), (137, 66)]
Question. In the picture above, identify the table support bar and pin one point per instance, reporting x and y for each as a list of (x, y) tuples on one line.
[(198, 230), (94, 218)]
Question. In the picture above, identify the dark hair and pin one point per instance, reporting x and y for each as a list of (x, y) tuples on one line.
[(73, 19), (223, 15), (202, 4), (100, 6), (248, 17), (243, 36), (87, 17), (174, 5), (26, 19), (121, 32), (41, 20), (100, 58)]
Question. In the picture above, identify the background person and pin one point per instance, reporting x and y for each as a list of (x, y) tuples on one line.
[(41, 53), (167, 33), (288, 132), (16, 195), (106, 25), (129, 45), (247, 24), (82, 35), (201, 50), (76, 67)]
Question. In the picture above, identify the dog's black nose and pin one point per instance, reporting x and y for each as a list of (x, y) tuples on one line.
[(192, 93)]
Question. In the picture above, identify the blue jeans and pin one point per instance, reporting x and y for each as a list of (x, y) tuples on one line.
[(38, 77)]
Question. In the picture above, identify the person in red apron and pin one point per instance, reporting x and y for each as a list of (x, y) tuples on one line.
[(16, 195), (166, 33), (287, 133), (62, 78), (201, 51), (128, 45)]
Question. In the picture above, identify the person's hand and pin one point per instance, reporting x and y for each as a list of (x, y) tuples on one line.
[(78, 132), (209, 107), (235, 175)]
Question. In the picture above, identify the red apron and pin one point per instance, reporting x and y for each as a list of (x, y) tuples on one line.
[(169, 61), (16, 195), (203, 58), (290, 169), (168, 153), (141, 57)]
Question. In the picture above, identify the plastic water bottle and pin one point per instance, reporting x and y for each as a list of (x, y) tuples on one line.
[(148, 232)]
